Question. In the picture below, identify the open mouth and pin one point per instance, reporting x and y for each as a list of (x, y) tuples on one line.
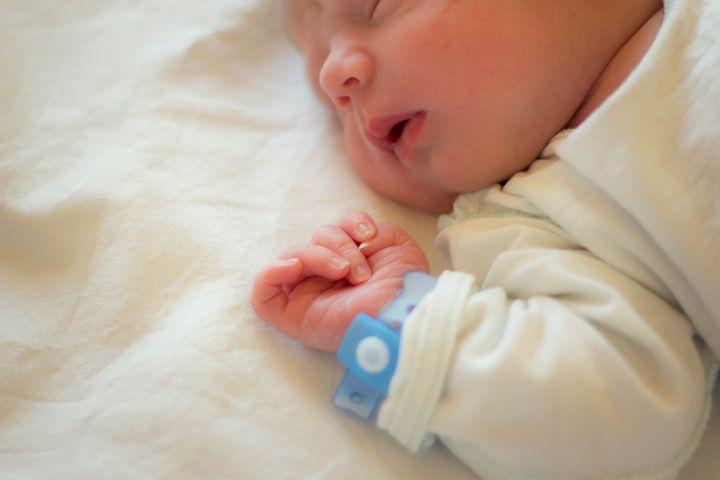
[(395, 133)]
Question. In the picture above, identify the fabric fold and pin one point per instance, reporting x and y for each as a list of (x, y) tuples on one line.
[(426, 349)]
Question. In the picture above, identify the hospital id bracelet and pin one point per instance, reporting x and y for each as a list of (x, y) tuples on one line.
[(370, 348)]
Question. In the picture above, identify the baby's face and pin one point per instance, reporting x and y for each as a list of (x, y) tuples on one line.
[(439, 97)]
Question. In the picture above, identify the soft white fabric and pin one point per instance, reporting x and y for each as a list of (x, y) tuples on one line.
[(573, 359), (556, 350), (669, 182), (153, 156)]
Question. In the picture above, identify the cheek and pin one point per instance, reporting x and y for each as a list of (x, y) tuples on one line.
[(387, 177), (362, 160)]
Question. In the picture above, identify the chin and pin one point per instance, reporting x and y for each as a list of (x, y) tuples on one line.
[(440, 204)]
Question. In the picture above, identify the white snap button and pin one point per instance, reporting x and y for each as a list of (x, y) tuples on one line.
[(372, 354)]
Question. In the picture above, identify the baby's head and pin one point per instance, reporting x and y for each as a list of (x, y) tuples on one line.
[(440, 97)]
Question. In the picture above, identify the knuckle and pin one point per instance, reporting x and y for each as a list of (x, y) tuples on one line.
[(324, 233), (385, 224), (385, 228), (391, 228), (335, 239)]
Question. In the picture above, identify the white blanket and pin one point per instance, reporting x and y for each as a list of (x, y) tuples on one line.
[(153, 156)]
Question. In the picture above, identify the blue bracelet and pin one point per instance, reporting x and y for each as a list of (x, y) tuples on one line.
[(370, 349)]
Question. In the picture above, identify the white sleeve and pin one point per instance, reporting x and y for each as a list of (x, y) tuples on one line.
[(544, 362)]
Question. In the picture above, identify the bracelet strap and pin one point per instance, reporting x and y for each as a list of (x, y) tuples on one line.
[(371, 346)]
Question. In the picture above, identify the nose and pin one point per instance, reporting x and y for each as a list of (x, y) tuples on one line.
[(347, 70)]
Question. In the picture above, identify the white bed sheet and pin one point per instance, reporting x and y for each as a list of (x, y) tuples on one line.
[(153, 156)]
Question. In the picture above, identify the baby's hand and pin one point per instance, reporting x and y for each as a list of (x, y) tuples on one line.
[(314, 291)]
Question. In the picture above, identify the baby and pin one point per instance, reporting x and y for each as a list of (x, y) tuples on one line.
[(574, 335)]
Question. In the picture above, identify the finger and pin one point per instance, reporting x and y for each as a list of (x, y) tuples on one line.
[(319, 261), (359, 226), (388, 234), (268, 297), (337, 240)]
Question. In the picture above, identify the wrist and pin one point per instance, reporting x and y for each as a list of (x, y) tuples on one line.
[(370, 349)]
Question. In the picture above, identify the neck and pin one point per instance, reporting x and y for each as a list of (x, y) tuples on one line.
[(618, 68)]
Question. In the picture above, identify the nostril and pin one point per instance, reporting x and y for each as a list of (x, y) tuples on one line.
[(351, 82), (342, 102)]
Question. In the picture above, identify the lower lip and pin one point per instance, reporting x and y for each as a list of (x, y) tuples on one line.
[(412, 132)]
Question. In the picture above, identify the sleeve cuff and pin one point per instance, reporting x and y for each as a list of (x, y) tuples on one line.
[(426, 350)]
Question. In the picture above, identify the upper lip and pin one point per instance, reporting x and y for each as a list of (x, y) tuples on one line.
[(385, 132)]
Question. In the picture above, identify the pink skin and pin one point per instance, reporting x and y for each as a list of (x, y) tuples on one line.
[(493, 80), (436, 98), (314, 291)]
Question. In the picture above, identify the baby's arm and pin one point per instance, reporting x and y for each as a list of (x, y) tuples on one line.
[(546, 363), (542, 362), (315, 290)]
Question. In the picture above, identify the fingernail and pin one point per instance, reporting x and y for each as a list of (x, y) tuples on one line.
[(361, 273), (290, 261), (363, 246), (364, 230), (339, 262)]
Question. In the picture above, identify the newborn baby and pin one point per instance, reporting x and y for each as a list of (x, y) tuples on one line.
[(569, 337)]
